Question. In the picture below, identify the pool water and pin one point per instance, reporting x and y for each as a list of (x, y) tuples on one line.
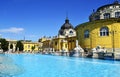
[(36, 65)]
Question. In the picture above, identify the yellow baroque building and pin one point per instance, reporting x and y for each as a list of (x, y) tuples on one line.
[(103, 29), (46, 46), (64, 41), (28, 46)]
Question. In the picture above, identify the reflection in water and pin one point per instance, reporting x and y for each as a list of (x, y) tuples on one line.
[(8, 68)]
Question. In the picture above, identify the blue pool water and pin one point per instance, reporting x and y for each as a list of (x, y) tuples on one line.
[(34, 65)]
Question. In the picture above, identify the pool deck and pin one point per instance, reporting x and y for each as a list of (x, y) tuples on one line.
[(104, 56)]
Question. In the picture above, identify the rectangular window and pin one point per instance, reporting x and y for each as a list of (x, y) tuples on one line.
[(101, 34), (86, 36), (106, 15), (117, 14), (55, 43)]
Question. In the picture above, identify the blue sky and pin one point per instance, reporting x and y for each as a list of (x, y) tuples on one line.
[(33, 19)]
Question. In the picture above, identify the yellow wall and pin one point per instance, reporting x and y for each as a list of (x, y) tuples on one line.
[(42, 39), (57, 44), (67, 44), (71, 43), (95, 38), (46, 43), (28, 46), (64, 46)]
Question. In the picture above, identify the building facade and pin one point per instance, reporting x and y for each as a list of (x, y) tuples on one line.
[(31, 46), (13, 43), (103, 29), (106, 12), (28, 46), (64, 41)]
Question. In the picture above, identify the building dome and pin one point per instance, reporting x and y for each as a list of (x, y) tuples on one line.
[(106, 12), (67, 25)]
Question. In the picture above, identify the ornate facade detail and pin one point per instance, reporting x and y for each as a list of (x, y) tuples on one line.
[(106, 12)]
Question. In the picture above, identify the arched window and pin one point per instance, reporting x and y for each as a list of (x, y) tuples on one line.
[(86, 34), (117, 14), (71, 32), (104, 31), (106, 15)]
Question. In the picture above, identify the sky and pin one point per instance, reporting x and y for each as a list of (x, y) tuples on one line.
[(33, 19)]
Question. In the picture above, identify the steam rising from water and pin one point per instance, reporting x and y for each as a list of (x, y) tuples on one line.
[(8, 68)]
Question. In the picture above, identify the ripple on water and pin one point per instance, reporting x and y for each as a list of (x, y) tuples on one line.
[(8, 68), (5, 59)]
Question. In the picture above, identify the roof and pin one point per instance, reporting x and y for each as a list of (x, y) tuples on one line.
[(115, 3), (67, 25), (111, 20)]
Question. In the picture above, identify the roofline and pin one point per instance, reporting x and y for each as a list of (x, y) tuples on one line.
[(112, 20), (107, 5)]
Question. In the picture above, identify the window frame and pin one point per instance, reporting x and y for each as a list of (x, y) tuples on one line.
[(86, 34), (107, 15), (117, 14), (104, 31)]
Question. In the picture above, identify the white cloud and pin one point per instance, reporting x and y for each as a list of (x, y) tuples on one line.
[(12, 30)]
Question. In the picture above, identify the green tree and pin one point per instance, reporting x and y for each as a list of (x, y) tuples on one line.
[(4, 44), (19, 46), (33, 47), (39, 40)]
